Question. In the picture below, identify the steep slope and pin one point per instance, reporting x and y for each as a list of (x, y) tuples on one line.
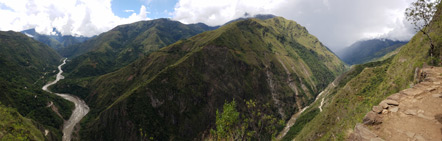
[(124, 44), (368, 50), (19, 127), (25, 65), (178, 88), (368, 84), (57, 41)]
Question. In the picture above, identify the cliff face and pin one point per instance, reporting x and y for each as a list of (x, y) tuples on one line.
[(173, 93)]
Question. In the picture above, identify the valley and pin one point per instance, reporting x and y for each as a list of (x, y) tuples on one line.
[(252, 76), (80, 109)]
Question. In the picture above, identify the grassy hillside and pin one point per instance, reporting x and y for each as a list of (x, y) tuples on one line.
[(126, 43), (178, 88), (368, 50), (366, 85), (14, 126), (25, 66)]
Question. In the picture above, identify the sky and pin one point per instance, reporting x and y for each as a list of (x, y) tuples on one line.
[(337, 23)]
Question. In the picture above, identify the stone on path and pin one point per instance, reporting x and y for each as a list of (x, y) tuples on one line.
[(377, 109)]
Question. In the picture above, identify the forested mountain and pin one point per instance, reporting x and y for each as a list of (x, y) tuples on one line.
[(124, 44), (25, 65), (368, 50), (179, 88)]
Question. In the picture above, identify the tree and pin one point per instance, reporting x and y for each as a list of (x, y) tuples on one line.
[(255, 123), (420, 15)]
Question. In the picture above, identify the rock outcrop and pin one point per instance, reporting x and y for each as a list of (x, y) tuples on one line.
[(412, 114)]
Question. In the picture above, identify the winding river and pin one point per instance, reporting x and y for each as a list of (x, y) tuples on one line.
[(81, 109)]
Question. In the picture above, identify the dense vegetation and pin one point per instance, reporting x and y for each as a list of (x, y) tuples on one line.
[(252, 124), (25, 66), (178, 88), (119, 47), (368, 50), (13, 126), (366, 85)]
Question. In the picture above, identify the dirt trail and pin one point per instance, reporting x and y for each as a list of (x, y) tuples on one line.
[(414, 114)]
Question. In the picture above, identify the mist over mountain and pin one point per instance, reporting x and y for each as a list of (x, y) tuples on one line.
[(57, 40), (368, 50)]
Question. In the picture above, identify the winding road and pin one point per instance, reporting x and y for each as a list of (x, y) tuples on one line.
[(81, 109)]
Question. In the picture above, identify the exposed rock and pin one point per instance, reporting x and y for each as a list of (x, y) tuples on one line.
[(395, 97), (437, 95), (372, 118), (419, 138), (412, 91), (410, 112), (384, 105), (384, 111), (431, 89), (410, 134), (377, 109), (391, 102), (393, 109), (361, 133)]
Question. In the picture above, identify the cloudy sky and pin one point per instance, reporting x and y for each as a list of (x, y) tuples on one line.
[(337, 23)]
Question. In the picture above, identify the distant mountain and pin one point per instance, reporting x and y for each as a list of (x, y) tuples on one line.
[(174, 93), (56, 41), (124, 44), (25, 66), (368, 50)]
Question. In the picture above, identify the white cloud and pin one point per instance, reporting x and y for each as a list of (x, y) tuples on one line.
[(337, 23), (129, 11), (70, 17)]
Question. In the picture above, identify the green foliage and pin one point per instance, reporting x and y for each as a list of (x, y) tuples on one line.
[(302, 120), (14, 126), (226, 121), (251, 124)]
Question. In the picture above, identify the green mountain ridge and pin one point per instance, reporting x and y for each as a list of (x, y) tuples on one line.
[(178, 88), (125, 43), (25, 66), (369, 50), (366, 85)]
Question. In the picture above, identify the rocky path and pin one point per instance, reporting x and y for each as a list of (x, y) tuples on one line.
[(413, 114)]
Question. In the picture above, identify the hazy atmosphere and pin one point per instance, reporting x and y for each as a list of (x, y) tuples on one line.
[(336, 24)]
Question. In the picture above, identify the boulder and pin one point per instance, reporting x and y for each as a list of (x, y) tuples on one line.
[(384, 111), (377, 109), (395, 96), (391, 102), (393, 109), (384, 105), (372, 118)]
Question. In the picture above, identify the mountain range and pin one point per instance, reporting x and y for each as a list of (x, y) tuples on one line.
[(368, 50), (165, 80)]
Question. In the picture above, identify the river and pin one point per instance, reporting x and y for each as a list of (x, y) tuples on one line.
[(81, 109)]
